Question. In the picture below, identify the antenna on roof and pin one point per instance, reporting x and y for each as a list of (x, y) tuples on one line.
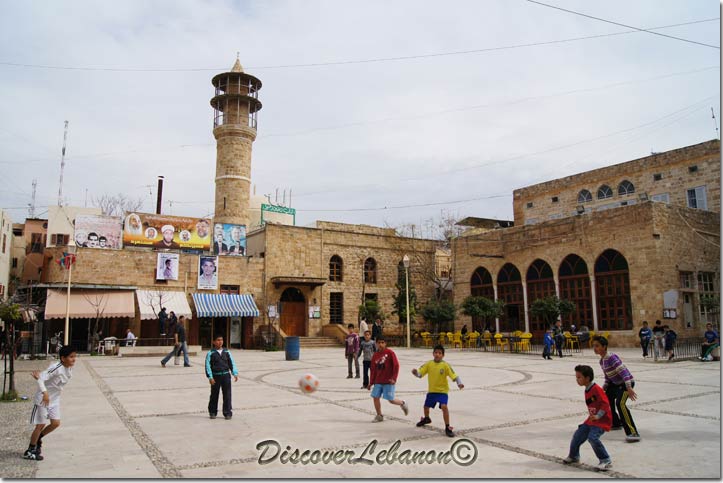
[(715, 123), (62, 166)]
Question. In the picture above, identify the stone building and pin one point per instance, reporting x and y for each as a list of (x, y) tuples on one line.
[(6, 243), (630, 242), (305, 281)]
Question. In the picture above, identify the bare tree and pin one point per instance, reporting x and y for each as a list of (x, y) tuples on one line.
[(116, 205), (98, 301)]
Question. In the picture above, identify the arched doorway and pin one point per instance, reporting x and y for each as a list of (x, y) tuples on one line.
[(293, 312), (480, 285), (509, 290), (575, 286), (614, 307), (540, 284)]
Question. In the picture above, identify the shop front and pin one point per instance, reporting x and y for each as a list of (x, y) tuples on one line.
[(150, 303), (228, 315)]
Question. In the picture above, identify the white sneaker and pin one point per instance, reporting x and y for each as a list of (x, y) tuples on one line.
[(378, 418), (605, 466), (633, 438), (405, 408)]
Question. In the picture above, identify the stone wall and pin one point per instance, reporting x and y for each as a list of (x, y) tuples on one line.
[(675, 179), (653, 237)]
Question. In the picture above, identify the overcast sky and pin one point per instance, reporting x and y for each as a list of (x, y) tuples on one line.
[(347, 136)]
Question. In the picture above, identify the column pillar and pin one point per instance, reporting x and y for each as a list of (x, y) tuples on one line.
[(524, 298), (497, 319), (593, 293)]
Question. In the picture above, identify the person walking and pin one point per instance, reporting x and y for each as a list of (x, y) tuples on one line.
[(559, 337), (645, 335), (363, 327), (670, 337), (619, 384), (179, 346)]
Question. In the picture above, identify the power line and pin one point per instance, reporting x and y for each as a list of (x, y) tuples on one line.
[(371, 60), (623, 25), (399, 207)]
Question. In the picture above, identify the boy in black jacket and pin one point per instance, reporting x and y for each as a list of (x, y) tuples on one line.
[(219, 368)]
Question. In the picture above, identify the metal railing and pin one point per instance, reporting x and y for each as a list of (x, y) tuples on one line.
[(683, 349), (508, 343)]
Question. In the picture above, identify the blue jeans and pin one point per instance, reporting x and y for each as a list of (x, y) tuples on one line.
[(181, 347), (592, 434)]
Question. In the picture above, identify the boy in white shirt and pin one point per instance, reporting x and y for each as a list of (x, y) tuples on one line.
[(47, 400)]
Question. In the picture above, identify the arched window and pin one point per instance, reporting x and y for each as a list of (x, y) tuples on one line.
[(336, 266), (612, 282), (509, 290), (540, 284), (370, 270), (626, 188), (584, 196), (604, 192), (575, 286), (480, 285)]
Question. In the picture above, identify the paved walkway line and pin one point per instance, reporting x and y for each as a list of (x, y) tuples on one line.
[(159, 460)]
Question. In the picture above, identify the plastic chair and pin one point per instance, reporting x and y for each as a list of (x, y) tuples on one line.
[(502, 342), (525, 341), (426, 339), (457, 340), (571, 340), (589, 341), (487, 339), (472, 340)]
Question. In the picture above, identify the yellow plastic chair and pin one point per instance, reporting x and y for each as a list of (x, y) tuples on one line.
[(571, 340), (457, 339), (450, 337), (487, 339), (589, 341), (426, 339), (502, 342), (525, 341), (441, 340), (472, 340)]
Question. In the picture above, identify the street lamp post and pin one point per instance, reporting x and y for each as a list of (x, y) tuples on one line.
[(405, 260), (69, 260)]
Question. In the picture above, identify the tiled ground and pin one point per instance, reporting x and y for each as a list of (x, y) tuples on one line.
[(128, 417)]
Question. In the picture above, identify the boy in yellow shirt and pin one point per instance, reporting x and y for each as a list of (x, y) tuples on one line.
[(438, 371)]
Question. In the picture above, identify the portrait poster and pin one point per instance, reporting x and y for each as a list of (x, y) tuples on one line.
[(229, 240), (167, 266), (98, 231), (207, 273), (164, 231)]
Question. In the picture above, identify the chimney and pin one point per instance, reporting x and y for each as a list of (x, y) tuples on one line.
[(159, 200)]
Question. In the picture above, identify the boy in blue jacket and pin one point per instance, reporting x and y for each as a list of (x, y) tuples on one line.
[(219, 368), (548, 345)]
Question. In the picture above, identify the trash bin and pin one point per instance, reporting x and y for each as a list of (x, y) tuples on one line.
[(292, 348)]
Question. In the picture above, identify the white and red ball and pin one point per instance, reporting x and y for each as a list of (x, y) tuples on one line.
[(308, 383)]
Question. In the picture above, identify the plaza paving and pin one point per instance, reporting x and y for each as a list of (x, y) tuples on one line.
[(131, 418)]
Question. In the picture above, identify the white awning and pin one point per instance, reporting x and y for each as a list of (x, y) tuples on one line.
[(90, 304), (150, 303)]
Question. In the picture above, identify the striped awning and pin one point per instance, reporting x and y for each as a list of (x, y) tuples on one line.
[(225, 305)]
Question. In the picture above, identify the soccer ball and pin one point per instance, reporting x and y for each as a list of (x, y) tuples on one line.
[(308, 383)]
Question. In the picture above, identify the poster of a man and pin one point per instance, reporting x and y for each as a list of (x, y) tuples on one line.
[(207, 273), (167, 241), (202, 229), (167, 266)]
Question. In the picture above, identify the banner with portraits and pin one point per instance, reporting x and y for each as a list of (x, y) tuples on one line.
[(229, 239), (207, 272), (98, 231), (163, 231), (167, 266)]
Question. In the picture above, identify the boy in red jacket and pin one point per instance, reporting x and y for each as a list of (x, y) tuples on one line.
[(596, 424), (384, 372)]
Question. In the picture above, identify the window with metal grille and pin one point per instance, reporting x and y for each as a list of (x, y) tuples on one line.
[(584, 196), (336, 307), (604, 192), (626, 188)]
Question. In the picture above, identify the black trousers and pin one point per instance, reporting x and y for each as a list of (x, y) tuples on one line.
[(559, 342), (367, 367), (223, 383), (644, 343), (618, 397)]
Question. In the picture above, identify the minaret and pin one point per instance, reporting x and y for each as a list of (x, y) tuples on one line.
[(234, 126)]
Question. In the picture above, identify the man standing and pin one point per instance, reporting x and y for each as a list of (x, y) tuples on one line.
[(352, 350), (377, 330), (363, 327), (658, 340), (559, 337), (162, 318), (130, 338)]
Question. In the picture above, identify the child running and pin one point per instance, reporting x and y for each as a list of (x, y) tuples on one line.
[(597, 423), (385, 369), (438, 371), (619, 384), (47, 400)]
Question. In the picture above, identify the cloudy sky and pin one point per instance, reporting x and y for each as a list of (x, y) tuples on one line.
[(367, 105)]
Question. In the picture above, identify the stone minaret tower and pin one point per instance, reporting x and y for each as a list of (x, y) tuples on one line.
[(234, 126)]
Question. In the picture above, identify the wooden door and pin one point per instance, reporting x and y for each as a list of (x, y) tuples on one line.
[(247, 333), (293, 318)]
